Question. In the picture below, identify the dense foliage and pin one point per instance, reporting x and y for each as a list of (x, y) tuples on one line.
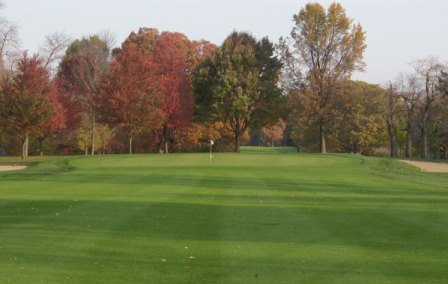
[(238, 85), (163, 92)]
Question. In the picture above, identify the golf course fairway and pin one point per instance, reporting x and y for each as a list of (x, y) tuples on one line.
[(271, 216)]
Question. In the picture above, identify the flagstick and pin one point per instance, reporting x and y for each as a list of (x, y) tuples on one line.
[(211, 151)]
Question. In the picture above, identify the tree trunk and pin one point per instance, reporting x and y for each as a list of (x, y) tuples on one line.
[(87, 152), (27, 146), (237, 142), (130, 145), (41, 142), (165, 135), (425, 146), (323, 146), (163, 146), (425, 120), (92, 142), (23, 148), (393, 147), (24, 141), (409, 140), (446, 150), (424, 129), (357, 149), (391, 123), (393, 140)]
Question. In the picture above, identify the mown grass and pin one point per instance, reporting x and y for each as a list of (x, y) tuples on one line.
[(254, 217)]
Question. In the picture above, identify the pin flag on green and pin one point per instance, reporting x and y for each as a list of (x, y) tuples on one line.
[(211, 150)]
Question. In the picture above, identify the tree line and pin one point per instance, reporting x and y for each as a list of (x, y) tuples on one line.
[(163, 92)]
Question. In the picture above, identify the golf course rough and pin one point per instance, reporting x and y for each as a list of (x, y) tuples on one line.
[(254, 217)]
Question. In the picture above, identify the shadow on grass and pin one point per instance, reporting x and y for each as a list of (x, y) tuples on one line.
[(268, 150), (380, 229), (259, 183), (97, 239)]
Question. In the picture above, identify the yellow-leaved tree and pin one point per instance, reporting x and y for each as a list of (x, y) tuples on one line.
[(324, 48)]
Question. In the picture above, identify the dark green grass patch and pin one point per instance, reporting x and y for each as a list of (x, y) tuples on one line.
[(269, 150), (246, 218)]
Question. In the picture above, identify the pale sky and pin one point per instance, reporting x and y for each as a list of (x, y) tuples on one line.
[(398, 31)]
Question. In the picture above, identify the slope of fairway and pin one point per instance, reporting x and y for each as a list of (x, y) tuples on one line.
[(254, 217)]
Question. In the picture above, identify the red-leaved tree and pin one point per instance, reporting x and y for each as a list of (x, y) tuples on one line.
[(174, 57), (27, 103), (55, 123), (131, 95), (172, 54)]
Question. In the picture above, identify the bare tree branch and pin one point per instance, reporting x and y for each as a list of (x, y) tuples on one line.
[(9, 47), (54, 47), (109, 38)]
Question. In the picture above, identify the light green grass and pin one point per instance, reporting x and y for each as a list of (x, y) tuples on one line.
[(247, 218)]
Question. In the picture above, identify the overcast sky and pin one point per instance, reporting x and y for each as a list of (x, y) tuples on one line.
[(398, 31)]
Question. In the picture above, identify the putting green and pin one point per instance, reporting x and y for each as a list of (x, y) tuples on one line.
[(270, 216)]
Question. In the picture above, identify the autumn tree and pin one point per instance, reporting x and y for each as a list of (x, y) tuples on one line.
[(325, 47), (196, 136), (104, 134), (441, 105), (174, 57), (275, 133), (239, 84), (80, 75), (82, 138), (55, 123), (131, 95), (443, 82), (27, 105), (200, 51), (409, 90), (390, 112), (441, 123), (190, 138), (53, 49), (172, 52), (428, 71), (360, 128)]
